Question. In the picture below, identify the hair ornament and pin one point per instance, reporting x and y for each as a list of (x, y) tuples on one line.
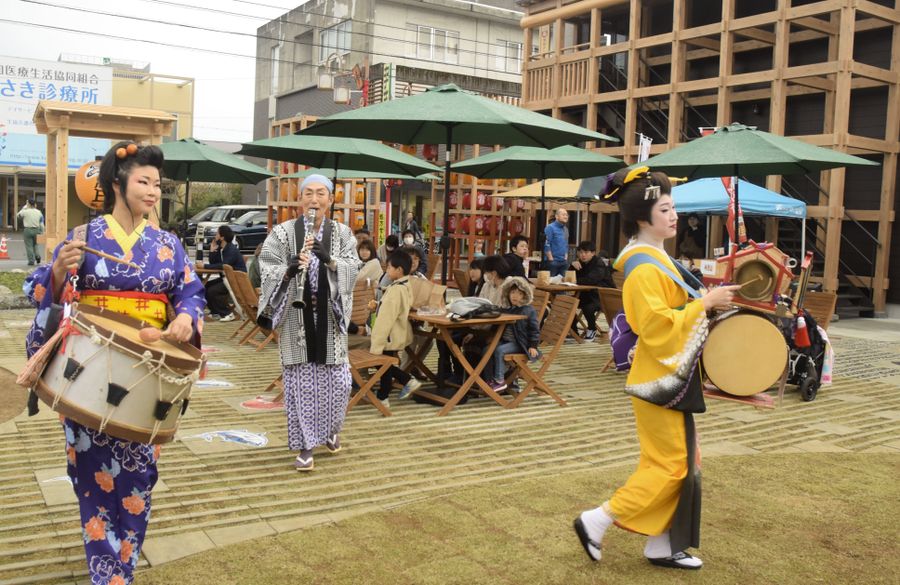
[(124, 152), (614, 187)]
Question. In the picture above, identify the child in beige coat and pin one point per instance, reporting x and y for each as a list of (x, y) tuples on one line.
[(392, 331)]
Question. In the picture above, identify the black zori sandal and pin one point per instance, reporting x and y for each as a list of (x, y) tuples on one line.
[(680, 560), (581, 531)]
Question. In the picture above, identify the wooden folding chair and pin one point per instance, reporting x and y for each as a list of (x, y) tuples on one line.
[(821, 306), (461, 277), (361, 361), (359, 314), (249, 316), (553, 334), (611, 305), (250, 299), (540, 302), (432, 265)]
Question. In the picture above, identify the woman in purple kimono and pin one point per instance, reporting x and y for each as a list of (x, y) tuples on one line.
[(113, 478)]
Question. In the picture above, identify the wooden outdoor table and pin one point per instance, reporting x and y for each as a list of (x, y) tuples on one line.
[(443, 328), (575, 289)]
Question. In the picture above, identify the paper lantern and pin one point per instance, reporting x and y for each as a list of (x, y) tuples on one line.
[(86, 187), (454, 199), (464, 225), (467, 200), (481, 200), (520, 204), (409, 149), (339, 216), (453, 223), (430, 151), (339, 193), (479, 224), (358, 221), (360, 194), (454, 178), (514, 227)]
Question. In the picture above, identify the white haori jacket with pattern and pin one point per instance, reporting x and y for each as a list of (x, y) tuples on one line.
[(279, 246)]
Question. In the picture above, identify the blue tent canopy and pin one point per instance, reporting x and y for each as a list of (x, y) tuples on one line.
[(709, 196)]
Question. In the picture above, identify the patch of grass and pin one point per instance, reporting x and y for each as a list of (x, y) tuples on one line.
[(13, 280), (798, 519)]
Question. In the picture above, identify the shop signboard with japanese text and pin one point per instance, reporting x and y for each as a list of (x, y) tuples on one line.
[(23, 83)]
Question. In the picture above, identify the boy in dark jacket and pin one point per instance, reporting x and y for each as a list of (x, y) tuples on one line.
[(523, 336), (591, 269)]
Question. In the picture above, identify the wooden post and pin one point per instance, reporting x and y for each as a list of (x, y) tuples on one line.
[(888, 184), (15, 209), (726, 54), (631, 102), (62, 184), (4, 204), (52, 202), (676, 76), (841, 126)]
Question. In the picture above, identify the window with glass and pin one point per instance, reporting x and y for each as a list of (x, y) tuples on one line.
[(434, 44), (334, 39), (275, 55)]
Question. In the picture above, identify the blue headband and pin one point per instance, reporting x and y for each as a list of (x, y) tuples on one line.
[(321, 179)]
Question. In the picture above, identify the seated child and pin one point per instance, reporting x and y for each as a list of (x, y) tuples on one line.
[(392, 331), (523, 336)]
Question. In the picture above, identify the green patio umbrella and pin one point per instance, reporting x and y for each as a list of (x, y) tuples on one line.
[(337, 153), (529, 162), (739, 150), (448, 115), (328, 152), (355, 174), (189, 160)]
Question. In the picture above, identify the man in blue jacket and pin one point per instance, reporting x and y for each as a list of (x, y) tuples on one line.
[(222, 251), (556, 245)]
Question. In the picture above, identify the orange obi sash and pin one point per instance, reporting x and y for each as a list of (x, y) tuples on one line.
[(149, 307)]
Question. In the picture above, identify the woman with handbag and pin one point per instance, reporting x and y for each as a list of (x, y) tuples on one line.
[(662, 498)]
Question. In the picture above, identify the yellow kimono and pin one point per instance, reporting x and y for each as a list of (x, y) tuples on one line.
[(671, 333)]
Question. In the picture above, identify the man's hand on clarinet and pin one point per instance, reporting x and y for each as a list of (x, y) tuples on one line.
[(320, 251)]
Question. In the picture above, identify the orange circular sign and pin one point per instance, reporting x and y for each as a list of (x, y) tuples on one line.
[(86, 186)]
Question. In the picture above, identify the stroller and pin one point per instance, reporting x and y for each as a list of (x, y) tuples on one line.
[(805, 364)]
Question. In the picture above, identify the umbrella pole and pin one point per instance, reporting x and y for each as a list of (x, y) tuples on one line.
[(337, 158), (445, 236), (187, 197), (542, 216)]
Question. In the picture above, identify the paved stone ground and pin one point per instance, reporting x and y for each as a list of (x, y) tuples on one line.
[(216, 493)]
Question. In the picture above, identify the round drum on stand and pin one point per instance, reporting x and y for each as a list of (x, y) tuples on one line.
[(745, 353)]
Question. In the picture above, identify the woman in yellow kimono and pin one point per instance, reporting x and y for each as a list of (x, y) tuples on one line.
[(662, 498)]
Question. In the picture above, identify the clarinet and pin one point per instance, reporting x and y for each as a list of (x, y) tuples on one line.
[(298, 302), (264, 319)]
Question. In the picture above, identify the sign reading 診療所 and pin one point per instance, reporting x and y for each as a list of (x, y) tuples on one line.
[(23, 83)]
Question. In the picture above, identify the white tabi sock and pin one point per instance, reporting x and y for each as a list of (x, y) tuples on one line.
[(596, 522), (658, 547)]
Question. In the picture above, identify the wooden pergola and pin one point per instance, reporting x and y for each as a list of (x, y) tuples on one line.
[(60, 120)]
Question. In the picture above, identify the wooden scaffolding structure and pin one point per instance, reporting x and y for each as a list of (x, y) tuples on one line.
[(826, 72)]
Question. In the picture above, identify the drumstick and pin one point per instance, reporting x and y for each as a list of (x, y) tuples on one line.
[(107, 256), (752, 280)]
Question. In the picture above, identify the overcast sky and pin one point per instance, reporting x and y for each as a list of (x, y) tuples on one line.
[(223, 105)]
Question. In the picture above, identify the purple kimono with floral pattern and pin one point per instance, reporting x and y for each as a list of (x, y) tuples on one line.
[(112, 478)]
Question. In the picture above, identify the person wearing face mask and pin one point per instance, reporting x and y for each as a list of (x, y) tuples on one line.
[(409, 239)]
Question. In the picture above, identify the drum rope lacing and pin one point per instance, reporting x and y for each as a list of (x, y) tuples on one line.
[(154, 366)]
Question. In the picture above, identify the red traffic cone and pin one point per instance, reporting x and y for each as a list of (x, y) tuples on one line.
[(4, 253), (801, 335)]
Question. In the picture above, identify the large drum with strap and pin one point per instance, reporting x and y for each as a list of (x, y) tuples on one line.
[(745, 352), (104, 376)]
